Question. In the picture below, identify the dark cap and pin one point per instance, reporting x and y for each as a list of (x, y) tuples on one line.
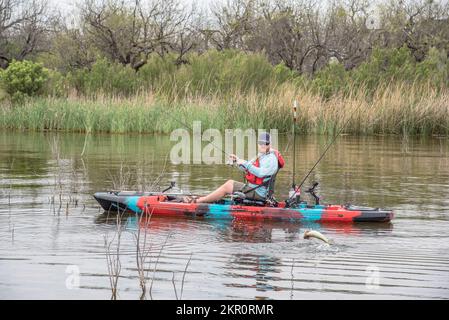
[(264, 138)]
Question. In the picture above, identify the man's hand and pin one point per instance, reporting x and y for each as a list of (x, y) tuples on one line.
[(235, 159), (240, 161)]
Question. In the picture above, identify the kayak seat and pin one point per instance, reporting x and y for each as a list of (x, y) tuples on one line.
[(270, 188), (240, 197)]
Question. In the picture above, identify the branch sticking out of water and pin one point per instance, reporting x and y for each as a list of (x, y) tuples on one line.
[(155, 265), (291, 272), (184, 274), (174, 285), (113, 260), (142, 253)]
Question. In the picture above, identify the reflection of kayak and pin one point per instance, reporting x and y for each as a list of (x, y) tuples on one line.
[(241, 230), (162, 204)]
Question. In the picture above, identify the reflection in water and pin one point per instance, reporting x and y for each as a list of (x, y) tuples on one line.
[(258, 269), (49, 220), (242, 230)]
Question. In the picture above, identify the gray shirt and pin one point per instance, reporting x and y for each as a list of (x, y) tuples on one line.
[(268, 165)]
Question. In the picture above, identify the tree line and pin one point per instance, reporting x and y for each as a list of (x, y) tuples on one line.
[(302, 35)]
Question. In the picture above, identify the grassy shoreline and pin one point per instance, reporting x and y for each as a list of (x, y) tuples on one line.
[(396, 109)]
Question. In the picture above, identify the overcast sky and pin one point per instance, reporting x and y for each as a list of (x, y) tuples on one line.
[(69, 6)]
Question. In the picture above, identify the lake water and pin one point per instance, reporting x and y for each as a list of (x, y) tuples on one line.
[(53, 232)]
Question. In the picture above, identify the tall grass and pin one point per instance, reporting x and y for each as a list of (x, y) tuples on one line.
[(396, 109), (389, 93)]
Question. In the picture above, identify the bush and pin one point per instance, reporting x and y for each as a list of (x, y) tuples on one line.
[(3, 94), (331, 79), (227, 71), (56, 85), (283, 73), (157, 71), (105, 77), (212, 72), (434, 68), (383, 67), (24, 78)]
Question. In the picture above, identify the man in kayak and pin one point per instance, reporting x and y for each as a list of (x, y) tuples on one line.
[(258, 173)]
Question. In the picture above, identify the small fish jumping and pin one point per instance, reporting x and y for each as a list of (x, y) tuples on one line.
[(315, 234)]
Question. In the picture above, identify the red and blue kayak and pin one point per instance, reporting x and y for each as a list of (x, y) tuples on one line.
[(167, 205)]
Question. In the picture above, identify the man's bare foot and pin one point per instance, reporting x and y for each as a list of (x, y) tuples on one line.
[(199, 200), (189, 199)]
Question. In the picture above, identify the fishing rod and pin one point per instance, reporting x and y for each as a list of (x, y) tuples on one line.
[(294, 190), (224, 152), (295, 104), (322, 155), (191, 129), (172, 183)]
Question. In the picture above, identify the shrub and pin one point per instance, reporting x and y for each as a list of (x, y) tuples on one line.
[(24, 78), (104, 77), (283, 73), (434, 68), (212, 72), (157, 71), (383, 67), (108, 77), (331, 79)]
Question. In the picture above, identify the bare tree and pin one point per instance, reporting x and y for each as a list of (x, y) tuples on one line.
[(128, 32), (232, 23), (285, 32), (302, 34), (419, 25), (187, 37), (72, 47), (23, 28), (346, 33)]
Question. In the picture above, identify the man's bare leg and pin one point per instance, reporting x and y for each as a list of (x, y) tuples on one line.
[(223, 190)]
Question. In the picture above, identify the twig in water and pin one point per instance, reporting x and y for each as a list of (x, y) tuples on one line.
[(174, 285), (123, 179), (142, 254), (60, 203), (158, 178), (114, 264), (85, 143), (155, 265), (291, 272), (10, 186), (184, 274)]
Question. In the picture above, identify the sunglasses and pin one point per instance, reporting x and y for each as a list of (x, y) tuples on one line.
[(263, 143)]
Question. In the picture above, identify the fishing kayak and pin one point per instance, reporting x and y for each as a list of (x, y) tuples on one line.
[(169, 205)]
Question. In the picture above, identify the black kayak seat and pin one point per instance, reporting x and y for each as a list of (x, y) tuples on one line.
[(269, 184)]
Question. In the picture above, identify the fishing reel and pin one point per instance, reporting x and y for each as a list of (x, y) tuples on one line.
[(311, 190), (172, 185)]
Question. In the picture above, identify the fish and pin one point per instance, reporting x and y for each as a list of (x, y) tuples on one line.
[(315, 234)]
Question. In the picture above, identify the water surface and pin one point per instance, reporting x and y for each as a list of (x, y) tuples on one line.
[(50, 225)]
